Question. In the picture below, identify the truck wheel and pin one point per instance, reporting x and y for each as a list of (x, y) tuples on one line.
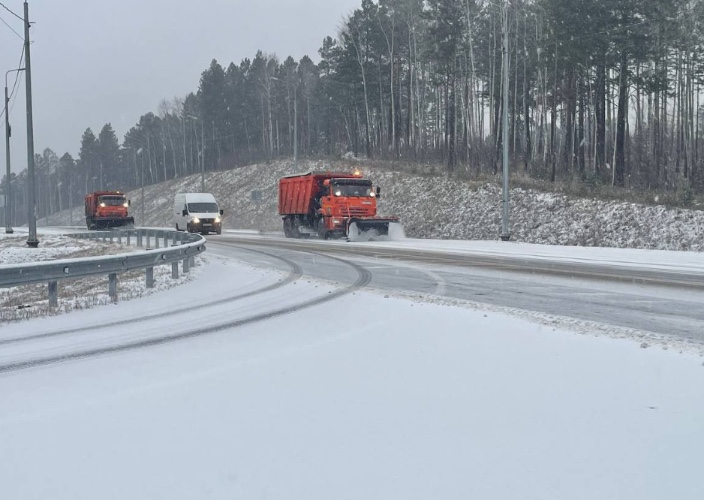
[(177, 229), (323, 233), (290, 230)]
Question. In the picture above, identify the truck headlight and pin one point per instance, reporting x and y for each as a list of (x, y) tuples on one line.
[(217, 220), (195, 220), (102, 205), (125, 205)]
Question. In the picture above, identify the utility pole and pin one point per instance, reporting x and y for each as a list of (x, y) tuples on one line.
[(8, 132), (141, 176), (32, 240), (295, 128), (505, 235), (202, 157)]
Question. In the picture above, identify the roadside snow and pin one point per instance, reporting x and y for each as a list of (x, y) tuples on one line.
[(432, 206), (31, 301), (418, 401)]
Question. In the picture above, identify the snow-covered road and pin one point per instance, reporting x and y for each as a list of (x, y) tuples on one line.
[(293, 388)]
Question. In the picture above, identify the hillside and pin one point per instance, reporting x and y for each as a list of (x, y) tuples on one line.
[(438, 207)]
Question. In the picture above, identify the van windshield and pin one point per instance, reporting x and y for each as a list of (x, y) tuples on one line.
[(202, 208)]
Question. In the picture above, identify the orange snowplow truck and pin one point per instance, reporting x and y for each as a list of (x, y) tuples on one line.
[(330, 205), (106, 209)]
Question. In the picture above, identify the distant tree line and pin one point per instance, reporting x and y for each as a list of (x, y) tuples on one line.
[(600, 91)]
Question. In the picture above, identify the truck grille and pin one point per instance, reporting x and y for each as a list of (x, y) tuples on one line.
[(354, 211)]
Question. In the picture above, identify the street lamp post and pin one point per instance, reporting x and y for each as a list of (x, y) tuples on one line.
[(202, 150), (8, 193)]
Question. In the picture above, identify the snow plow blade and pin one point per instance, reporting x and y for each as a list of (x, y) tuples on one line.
[(369, 229)]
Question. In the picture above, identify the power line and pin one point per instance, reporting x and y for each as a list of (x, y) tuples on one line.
[(12, 95), (10, 11), (11, 29)]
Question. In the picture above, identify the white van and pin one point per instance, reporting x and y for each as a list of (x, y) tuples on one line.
[(197, 213)]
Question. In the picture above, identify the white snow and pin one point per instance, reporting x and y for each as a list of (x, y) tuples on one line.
[(364, 397), (433, 206), (368, 396)]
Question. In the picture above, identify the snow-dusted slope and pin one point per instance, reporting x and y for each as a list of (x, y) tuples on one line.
[(439, 207)]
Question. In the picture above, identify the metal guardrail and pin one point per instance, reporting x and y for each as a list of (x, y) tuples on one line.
[(161, 247)]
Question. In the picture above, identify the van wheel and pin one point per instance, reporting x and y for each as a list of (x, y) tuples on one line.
[(177, 229)]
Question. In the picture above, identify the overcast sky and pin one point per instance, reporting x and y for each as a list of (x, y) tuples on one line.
[(103, 61)]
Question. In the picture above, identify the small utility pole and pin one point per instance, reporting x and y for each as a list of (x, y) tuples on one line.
[(295, 128), (8, 192), (505, 235), (202, 157), (141, 177), (8, 225), (32, 240)]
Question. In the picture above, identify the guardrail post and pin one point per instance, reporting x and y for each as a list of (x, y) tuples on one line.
[(119, 237), (139, 239), (192, 262), (127, 236), (112, 286), (112, 236), (53, 294), (150, 277), (186, 264), (166, 238), (174, 270), (156, 239), (148, 238)]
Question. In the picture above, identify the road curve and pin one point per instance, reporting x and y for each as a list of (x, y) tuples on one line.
[(661, 301)]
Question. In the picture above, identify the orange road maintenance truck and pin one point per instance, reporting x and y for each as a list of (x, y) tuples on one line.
[(331, 205), (105, 209)]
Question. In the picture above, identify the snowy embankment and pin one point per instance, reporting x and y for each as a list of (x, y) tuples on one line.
[(417, 401), (439, 207)]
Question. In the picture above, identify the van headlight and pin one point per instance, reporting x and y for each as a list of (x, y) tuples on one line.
[(217, 220), (195, 220)]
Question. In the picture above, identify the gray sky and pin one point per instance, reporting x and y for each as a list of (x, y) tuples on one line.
[(103, 61)]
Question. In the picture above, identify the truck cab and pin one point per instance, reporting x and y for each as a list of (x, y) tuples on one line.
[(197, 213), (106, 209)]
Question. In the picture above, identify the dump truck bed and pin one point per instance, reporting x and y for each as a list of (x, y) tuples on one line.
[(297, 192)]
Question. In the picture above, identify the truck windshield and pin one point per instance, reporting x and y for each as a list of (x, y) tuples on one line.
[(352, 188), (202, 208), (112, 201)]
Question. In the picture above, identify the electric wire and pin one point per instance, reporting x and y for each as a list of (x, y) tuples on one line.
[(12, 95), (11, 12), (11, 28)]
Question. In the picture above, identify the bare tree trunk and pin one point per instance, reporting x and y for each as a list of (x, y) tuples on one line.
[(619, 169)]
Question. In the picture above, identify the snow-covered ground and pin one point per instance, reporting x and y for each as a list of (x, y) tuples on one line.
[(408, 400), (368, 396), (434, 206)]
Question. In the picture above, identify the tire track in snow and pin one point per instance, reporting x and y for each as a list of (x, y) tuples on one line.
[(295, 273), (364, 277)]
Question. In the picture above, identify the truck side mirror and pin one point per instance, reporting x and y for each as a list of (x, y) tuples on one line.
[(378, 192), (222, 212), (129, 203), (185, 212)]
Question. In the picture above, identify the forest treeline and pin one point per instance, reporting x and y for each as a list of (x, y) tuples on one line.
[(600, 91)]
